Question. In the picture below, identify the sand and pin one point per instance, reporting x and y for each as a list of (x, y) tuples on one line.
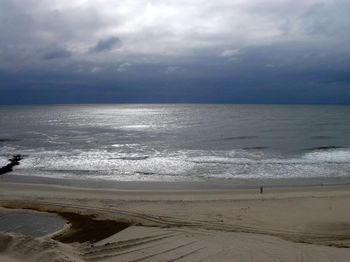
[(310, 223)]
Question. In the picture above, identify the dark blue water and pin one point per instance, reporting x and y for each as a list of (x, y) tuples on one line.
[(177, 142)]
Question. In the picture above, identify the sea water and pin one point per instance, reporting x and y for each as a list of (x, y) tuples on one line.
[(177, 142)]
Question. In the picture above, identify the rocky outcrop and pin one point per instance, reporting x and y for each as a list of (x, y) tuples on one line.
[(14, 161)]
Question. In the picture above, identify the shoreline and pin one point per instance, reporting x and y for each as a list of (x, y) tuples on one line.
[(207, 184)]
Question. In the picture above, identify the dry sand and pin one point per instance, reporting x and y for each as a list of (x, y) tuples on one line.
[(283, 224)]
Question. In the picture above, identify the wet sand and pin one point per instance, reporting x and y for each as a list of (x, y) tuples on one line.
[(308, 223)]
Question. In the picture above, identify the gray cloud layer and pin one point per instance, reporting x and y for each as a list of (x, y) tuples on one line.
[(299, 48), (55, 52)]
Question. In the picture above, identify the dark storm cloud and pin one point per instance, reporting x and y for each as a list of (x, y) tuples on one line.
[(106, 45), (220, 51)]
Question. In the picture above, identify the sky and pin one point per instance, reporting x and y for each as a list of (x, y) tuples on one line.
[(162, 51)]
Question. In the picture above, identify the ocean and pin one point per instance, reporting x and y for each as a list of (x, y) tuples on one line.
[(177, 142)]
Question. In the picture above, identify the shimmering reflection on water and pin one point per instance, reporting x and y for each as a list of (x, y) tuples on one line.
[(177, 142)]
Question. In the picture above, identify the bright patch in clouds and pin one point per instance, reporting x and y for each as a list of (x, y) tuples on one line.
[(162, 28)]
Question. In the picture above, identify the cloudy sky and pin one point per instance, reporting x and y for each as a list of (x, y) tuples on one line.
[(223, 51)]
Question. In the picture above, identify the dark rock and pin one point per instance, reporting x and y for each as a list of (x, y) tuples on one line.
[(14, 161)]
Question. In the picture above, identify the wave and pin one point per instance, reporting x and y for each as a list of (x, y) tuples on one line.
[(330, 147), (321, 137), (3, 140), (239, 138), (131, 158), (185, 164), (3, 161), (136, 127), (125, 145), (334, 156), (256, 148)]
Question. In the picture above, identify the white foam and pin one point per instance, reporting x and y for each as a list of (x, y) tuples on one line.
[(137, 127), (336, 156), (182, 165), (7, 149), (107, 162), (3, 161), (220, 160), (125, 145)]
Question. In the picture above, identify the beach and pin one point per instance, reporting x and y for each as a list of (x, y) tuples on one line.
[(290, 223), (163, 131)]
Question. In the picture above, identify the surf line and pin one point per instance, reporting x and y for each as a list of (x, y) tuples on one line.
[(14, 161)]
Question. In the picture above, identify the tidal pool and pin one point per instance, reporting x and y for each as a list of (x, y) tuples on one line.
[(30, 223)]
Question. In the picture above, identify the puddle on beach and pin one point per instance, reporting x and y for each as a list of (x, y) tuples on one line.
[(30, 223)]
